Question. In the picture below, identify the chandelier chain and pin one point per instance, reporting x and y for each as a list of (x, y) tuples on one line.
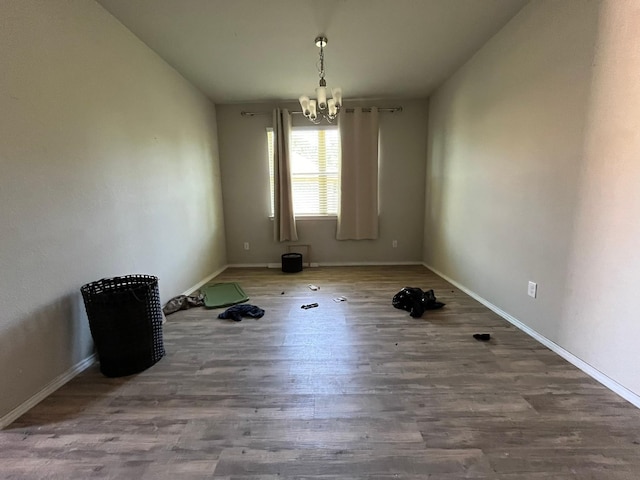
[(321, 73)]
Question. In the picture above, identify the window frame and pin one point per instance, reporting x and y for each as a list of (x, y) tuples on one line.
[(319, 175)]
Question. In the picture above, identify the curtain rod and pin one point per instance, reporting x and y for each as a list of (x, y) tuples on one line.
[(348, 110)]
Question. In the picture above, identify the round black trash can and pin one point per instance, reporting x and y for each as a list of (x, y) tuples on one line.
[(292, 262), (125, 318)]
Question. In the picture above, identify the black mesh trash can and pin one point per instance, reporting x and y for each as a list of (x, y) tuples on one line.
[(125, 318), (292, 262)]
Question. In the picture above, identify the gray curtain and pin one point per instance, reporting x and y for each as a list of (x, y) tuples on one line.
[(284, 221), (358, 212)]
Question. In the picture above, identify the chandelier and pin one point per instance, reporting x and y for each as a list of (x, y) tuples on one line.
[(316, 110)]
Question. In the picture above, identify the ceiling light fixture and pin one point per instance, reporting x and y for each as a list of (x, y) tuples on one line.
[(316, 110)]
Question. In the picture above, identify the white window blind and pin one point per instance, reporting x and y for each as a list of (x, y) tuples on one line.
[(315, 166)]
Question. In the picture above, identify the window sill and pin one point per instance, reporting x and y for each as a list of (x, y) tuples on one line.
[(313, 217)]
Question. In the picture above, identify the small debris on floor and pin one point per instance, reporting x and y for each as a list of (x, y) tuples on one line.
[(313, 287), (309, 305), (282, 293), (482, 337), (340, 299)]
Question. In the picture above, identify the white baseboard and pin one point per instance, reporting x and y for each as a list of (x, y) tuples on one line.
[(304, 265), (205, 281), (51, 387), (594, 373), (249, 265), (366, 264), (324, 264)]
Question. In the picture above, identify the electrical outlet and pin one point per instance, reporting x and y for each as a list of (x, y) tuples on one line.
[(246, 245), (394, 244), (532, 289)]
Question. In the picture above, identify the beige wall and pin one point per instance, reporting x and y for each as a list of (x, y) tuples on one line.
[(108, 162), (243, 158), (600, 317), (533, 174)]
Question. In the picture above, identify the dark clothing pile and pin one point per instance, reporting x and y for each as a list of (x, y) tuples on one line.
[(236, 312), (415, 301)]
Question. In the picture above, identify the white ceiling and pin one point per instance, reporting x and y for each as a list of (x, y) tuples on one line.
[(262, 50)]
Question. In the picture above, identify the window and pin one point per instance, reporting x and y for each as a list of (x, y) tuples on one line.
[(315, 166)]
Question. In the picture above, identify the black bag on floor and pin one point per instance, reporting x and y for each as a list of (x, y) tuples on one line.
[(415, 301)]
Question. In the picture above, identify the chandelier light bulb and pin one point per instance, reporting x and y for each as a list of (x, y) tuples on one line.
[(336, 93), (304, 103), (321, 93), (331, 107), (312, 109)]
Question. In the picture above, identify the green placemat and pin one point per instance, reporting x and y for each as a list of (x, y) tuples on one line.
[(223, 295)]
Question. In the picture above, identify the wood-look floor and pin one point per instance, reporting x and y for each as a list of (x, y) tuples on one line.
[(347, 390)]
